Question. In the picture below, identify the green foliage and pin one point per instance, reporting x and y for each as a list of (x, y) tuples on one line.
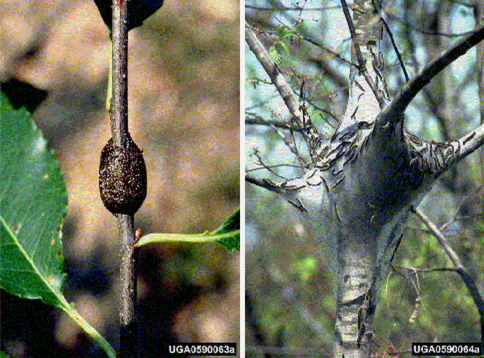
[(275, 54), (227, 235), (229, 232), (283, 33), (304, 268), (33, 203)]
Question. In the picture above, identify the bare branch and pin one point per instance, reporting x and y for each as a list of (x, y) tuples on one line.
[(290, 143), (324, 110), (461, 270), (309, 131), (119, 129), (359, 56), (274, 166), (470, 143), (402, 65), (394, 111), (361, 62), (441, 238), (265, 166), (286, 92), (413, 270), (332, 52), (254, 119), (296, 8), (425, 32), (262, 183)]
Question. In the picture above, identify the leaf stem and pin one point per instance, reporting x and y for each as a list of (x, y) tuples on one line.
[(191, 238), (110, 352)]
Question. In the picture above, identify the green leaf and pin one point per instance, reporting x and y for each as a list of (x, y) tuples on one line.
[(33, 202), (227, 235), (230, 230), (4, 355), (284, 46), (275, 55)]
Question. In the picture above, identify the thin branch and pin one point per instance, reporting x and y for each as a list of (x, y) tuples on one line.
[(120, 135), (262, 183), (459, 218), (286, 92), (297, 8), (254, 119), (394, 111), (461, 270), (415, 271), (309, 132), (332, 52), (291, 144), (266, 167), (425, 32), (324, 110), (402, 65), (469, 143), (129, 260), (361, 61), (440, 237), (273, 166), (465, 200)]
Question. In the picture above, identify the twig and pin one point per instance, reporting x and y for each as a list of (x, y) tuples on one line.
[(332, 52), (254, 119), (129, 262), (284, 89), (324, 110), (263, 183), (361, 61), (413, 87), (461, 270), (297, 8), (119, 129), (425, 32), (286, 92), (290, 143), (266, 167), (402, 65), (119, 100), (425, 270)]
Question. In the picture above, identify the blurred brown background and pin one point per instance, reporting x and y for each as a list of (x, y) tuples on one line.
[(184, 114)]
